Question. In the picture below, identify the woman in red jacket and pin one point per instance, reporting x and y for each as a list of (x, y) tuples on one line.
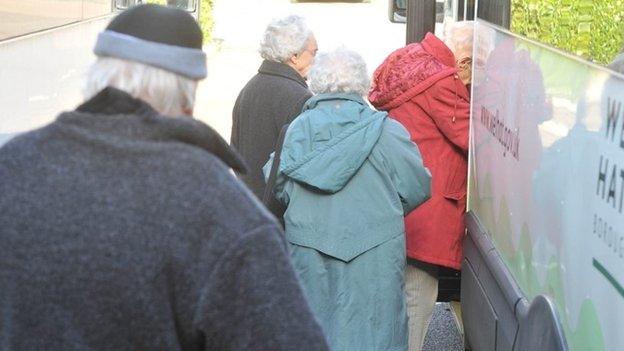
[(420, 87)]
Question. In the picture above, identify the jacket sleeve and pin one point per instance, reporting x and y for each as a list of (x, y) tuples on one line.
[(404, 162), (282, 186), (253, 300), (448, 105)]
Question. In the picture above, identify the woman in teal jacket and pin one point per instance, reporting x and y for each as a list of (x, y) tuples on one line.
[(348, 175)]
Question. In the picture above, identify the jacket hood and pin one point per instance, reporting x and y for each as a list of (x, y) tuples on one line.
[(328, 143), (410, 70)]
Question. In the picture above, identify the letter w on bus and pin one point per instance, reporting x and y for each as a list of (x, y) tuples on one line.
[(613, 115)]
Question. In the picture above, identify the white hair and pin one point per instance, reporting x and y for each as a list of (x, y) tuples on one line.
[(339, 71), (168, 93), (458, 37), (284, 38)]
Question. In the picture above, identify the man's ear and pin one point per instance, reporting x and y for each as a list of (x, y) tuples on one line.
[(188, 111), (294, 59)]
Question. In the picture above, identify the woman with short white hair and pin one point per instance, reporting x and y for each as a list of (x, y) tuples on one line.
[(289, 40), (273, 97), (348, 175)]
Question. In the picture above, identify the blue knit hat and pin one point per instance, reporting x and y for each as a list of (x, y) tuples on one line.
[(155, 35)]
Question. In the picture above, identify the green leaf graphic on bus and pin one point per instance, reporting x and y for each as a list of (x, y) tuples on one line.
[(519, 258)]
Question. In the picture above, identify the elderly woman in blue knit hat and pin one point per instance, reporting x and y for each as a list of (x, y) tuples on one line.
[(348, 174)]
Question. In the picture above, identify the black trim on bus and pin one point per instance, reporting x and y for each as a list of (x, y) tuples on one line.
[(495, 312)]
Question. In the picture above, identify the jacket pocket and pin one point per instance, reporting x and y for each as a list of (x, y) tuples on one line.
[(457, 180)]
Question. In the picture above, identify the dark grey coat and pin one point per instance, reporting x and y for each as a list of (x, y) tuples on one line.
[(272, 98), (121, 229)]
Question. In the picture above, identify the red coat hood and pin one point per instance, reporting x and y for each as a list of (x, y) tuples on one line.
[(409, 71)]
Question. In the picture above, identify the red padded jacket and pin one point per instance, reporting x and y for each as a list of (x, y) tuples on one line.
[(418, 86)]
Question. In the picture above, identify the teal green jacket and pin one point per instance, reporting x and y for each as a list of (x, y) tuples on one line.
[(348, 175)]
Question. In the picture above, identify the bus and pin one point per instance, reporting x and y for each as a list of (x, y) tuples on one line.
[(45, 50), (544, 248)]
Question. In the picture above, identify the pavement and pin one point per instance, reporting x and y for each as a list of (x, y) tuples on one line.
[(443, 334)]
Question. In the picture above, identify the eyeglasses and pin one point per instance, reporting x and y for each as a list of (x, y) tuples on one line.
[(312, 52)]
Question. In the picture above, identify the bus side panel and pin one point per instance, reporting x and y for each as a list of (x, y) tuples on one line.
[(480, 321), (488, 293), (547, 185)]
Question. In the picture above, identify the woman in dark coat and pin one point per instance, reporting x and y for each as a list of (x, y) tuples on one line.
[(273, 97)]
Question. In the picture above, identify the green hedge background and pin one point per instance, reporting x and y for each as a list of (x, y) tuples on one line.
[(593, 29), (206, 20)]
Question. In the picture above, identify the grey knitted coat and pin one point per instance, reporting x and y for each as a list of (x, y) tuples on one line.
[(271, 99), (121, 229)]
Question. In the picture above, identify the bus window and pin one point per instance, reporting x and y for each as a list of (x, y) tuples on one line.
[(591, 29), (397, 11), (425, 16), (19, 18), (187, 5), (95, 8), (28, 16)]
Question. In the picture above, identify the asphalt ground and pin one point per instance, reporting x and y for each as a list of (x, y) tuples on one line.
[(443, 334)]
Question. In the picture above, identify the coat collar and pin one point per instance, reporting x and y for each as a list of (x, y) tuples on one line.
[(112, 101), (114, 114), (281, 70), (316, 99)]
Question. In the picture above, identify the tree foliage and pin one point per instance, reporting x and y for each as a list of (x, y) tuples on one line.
[(593, 29)]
